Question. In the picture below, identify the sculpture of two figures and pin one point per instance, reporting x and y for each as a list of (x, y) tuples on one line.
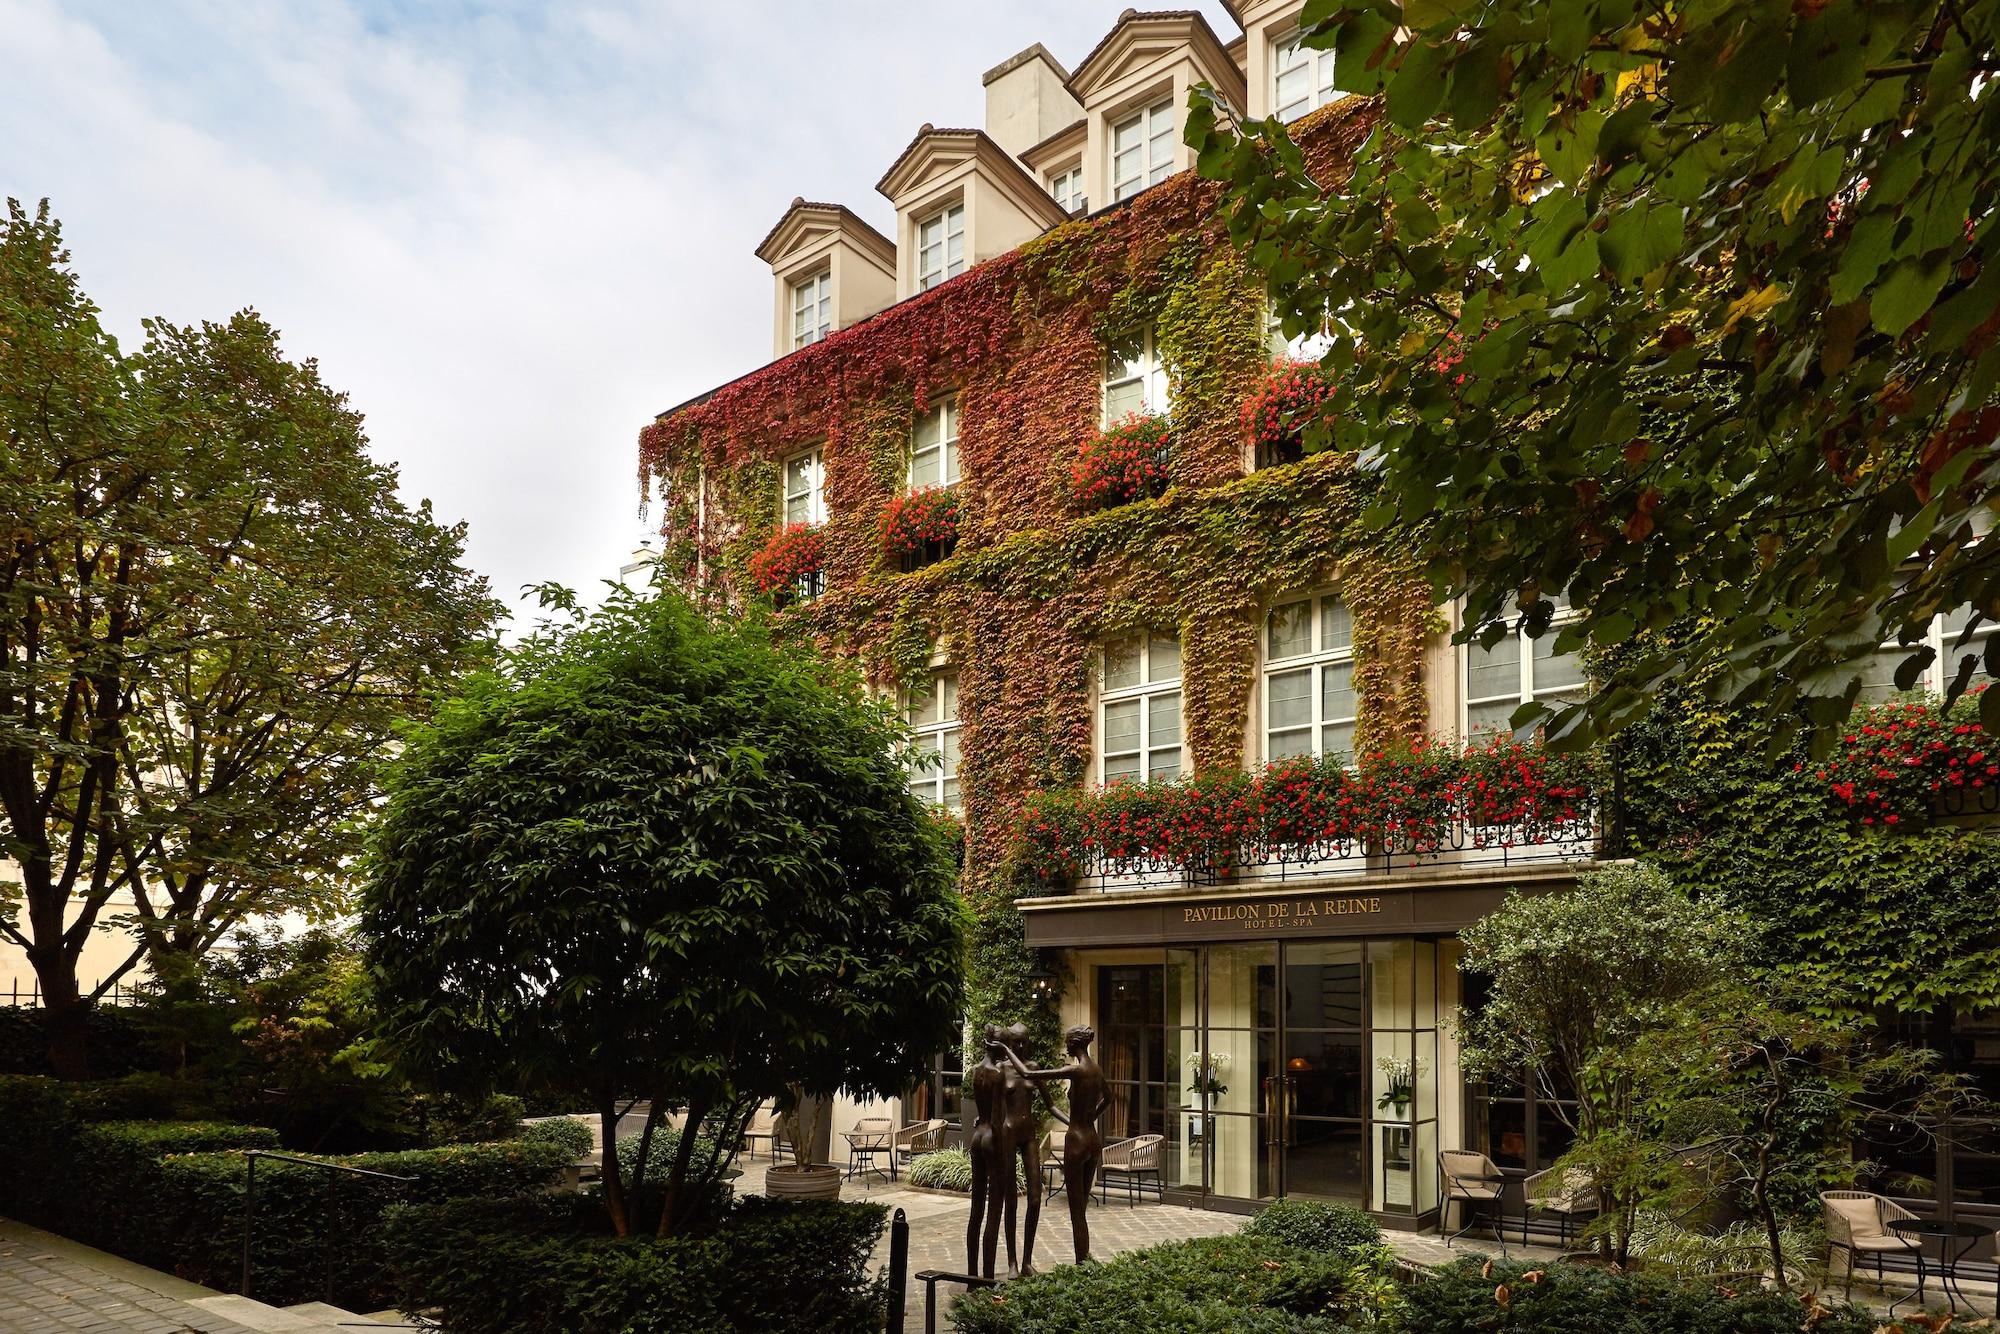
[(1002, 1095)]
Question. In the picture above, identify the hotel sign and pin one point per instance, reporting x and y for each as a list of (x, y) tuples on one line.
[(1310, 912)]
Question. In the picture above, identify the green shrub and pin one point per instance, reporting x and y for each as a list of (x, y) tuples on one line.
[(566, 1131), (1565, 1299), (951, 1169), (120, 1038), (660, 1156), (119, 1164), (306, 1216), (527, 1267), (1312, 1226), (474, 1121), (1244, 1282)]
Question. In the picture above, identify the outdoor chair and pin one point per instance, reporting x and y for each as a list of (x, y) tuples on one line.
[(1473, 1182), (1566, 1193), (871, 1137), (763, 1125), (1052, 1176), (1858, 1224), (1133, 1160), (918, 1137)]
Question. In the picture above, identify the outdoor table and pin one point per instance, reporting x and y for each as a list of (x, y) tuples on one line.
[(1923, 1229), (862, 1148)]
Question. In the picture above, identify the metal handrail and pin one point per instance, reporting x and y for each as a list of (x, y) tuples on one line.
[(250, 1158)]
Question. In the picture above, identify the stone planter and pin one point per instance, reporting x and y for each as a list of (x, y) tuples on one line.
[(791, 1182)]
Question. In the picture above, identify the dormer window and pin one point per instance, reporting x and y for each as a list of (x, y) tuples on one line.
[(1135, 379), (1303, 79), (805, 488), (1067, 188), (940, 247), (1142, 149), (934, 447), (812, 308)]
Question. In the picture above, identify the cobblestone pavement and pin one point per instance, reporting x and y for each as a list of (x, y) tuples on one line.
[(49, 1287)]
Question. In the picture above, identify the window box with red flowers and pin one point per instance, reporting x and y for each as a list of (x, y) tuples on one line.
[(1276, 415), (1900, 765), (1124, 462), (792, 565), (920, 527)]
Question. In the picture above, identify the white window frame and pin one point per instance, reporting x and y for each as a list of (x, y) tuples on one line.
[(940, 246), (1140, 149), (1946, 652), (945, 411), (803, 498), (1148, 371), (939, 732), (1527, 690), (1144, 692), (1289, 59), (1319, 657), (812, 308), (1066, 187)]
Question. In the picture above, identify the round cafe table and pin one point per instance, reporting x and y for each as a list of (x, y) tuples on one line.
[(1921, 1230)]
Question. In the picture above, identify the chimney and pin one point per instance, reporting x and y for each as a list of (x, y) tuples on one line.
[(1026, 100)]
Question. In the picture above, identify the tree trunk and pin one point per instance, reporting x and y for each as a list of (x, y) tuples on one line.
[(674, 1205), (614, 1189), (68, 1017)]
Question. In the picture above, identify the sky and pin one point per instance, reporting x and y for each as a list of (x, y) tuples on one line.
[(511, 232)]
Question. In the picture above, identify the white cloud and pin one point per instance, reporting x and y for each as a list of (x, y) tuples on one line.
[(511, 232)]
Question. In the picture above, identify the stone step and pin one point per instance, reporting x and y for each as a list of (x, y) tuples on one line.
[(305, 1318)]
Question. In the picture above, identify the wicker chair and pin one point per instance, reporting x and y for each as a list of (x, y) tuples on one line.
[(916, 1138), (871, 1136), (1133, 1160), (1565, 1193), (1858, 1223), (1473, 1182)]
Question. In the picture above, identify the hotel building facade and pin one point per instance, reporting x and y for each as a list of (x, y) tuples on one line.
[(908, 479)]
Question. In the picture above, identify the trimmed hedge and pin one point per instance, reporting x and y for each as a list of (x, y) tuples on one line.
[(567, 1131), (1465, 1298), (528, 1267), (1312, 1226), (121, 1038), (309, 1220), (1242, 1282), (114, 1190)]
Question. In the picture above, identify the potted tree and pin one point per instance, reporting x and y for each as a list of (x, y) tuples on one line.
[(799, 1122)]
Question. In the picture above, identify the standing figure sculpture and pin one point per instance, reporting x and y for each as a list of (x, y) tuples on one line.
[(1018, 1103), (1083, 1145), (992, 1181)]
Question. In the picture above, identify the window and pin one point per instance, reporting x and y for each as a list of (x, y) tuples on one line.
[(932, 714), (1142, 149), (1135, 379), (1139, 709), (1309, 698), (1303, 79), (934, 447), (1515, 670), (805, 488), (1305, 347), (812, 308), (940, 247), (1949, 638), (1067, 187)]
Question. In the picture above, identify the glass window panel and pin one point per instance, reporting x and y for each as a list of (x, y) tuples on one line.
[(1323, 985), (1336, 626), (1336, 739), (1121, 663), (1290, 699), (1323, 1074), (1494, 671), (948, 748), (1338, 699), (1323, 1161), (1283, 745), (929, 430), (950, 680), (1163, 721), (924, 469), (1165, 766), (1552, 1136), (1507, 1132), (1878, 677), (1123, 399), (1289, 634), (1490, 717), (1165, 659), (1121, 766), (919, 709), (1121, 726), (1554, 671)]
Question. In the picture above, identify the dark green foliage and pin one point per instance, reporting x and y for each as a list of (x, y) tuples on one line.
[(565, 1131), (1244, 1282), (112, 1190), (300, 1209), (120, 1038), (532, 1268), (653, 852), (1573, 1299), (1312, 1226)]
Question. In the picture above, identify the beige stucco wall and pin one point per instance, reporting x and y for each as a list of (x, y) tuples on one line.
[(861, 285), (1026, 100)]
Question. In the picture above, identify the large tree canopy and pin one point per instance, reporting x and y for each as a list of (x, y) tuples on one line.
[(1685, 311), (213, 609), (655, 854)]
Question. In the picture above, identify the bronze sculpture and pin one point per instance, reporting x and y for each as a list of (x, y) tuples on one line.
[(1083, 1145), (1003, 1127)]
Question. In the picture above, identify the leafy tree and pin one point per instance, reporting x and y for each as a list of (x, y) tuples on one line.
[(650, 852), (1578, 981), (213, 609), (1686, 312)]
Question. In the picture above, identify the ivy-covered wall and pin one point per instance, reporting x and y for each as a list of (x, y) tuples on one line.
[(1035, 585)]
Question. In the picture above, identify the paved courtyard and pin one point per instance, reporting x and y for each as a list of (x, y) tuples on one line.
[(48, 1286)]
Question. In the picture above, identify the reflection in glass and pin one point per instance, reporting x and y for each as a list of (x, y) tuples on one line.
[(1323, 1160), (1323, 985)]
